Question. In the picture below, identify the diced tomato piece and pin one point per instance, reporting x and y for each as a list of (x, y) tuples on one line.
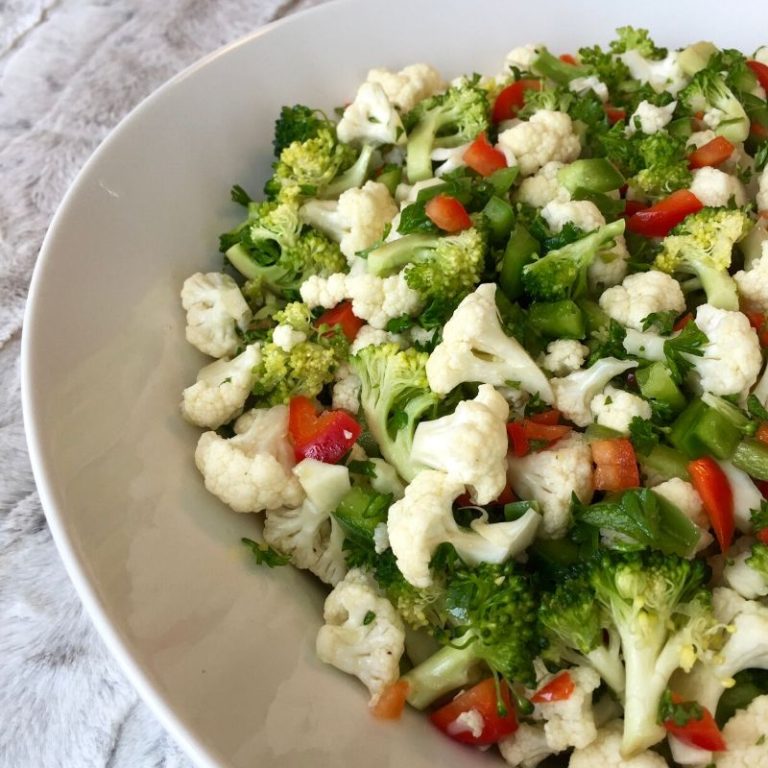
[(482, 699), (559, 688), (702, 733), (447, 213), (760, 132), (615, 464), (762, 214), (567, 58), (484, 158), (512, 98), (761, 72), (614, 114), (518, 439), (716, 495), (631, 207), (551, 416), (756, 319), (712, 153), (343, 316), (549, 433), (326, 437), (681, 322), (762, 486), (391, 701), (661, 217), (762, 433), (762, 535), (507, 496)]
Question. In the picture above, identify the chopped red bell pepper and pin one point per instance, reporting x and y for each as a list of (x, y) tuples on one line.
[(760, 132), (552, 416), (614, 114), (447, 213), (761, 72), (517, 439), (512, 98), (615, 464), (483, 157), (482, 698), (631, 207), (762, 433), (549, 433), (681, 322), (712, 153), (661, 217), (559, 688), (342, 315), (712, 485), (327, 437), (701, 732), (567, 58), (391, 701)]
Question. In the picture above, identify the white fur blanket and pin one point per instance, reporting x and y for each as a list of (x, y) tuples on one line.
[(69, 70)]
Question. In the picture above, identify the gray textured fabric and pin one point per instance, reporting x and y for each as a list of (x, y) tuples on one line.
[(69, 71)]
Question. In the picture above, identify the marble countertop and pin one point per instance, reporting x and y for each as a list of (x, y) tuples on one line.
[(69, 71)]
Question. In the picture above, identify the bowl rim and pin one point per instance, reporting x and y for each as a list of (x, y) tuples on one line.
[(74, 564)]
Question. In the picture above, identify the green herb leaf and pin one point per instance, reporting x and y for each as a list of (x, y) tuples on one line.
[(266, 555), (680, 714), (690, 341)]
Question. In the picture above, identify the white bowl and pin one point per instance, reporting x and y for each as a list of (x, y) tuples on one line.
[(222, 650)]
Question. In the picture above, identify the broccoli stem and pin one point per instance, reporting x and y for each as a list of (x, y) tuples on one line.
[(354, 176), (559, 71), (666, 462), (445, 671), (751, 456), (719, 287), (393, 256), (242, 262)]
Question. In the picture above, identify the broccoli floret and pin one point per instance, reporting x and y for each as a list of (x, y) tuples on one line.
[(445, 120), (607, 68), (758, 559), (438, 268), (562, 273), (276, 252), (665, 621), (702, 245), (492, 610), (632, 39), (576, 628), (555, 69), (297, 123), (707, 91), (394, 396)]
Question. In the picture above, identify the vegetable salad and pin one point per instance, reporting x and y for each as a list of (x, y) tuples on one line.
[(489, 358)]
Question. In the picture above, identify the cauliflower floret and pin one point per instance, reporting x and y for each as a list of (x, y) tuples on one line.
[(570, 722), (543, 187), (762, 194), (522, 57), (423, 519), (363, 634), (215, 310), (470, 721), (605, 752), (615, 409), (686, 498), (583, 213), (640, 295), (356, 221), (470, 444), (346, 389), (221, 389), (574, 392), (583, 85), (715, 188), (406, 88), (286, 337), (310, 534), (732, 359), (547, 136), (379, 300), (475, 348), (663, 75), (450, 158), (761, 54), (526, 747), (609, 267), (739, 575), (700, 138), (251, 471), (649, 118), (324, 292), (371, 118), (753, 283), (369, 336), (744, 734), (564, 356), (550, 477)]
